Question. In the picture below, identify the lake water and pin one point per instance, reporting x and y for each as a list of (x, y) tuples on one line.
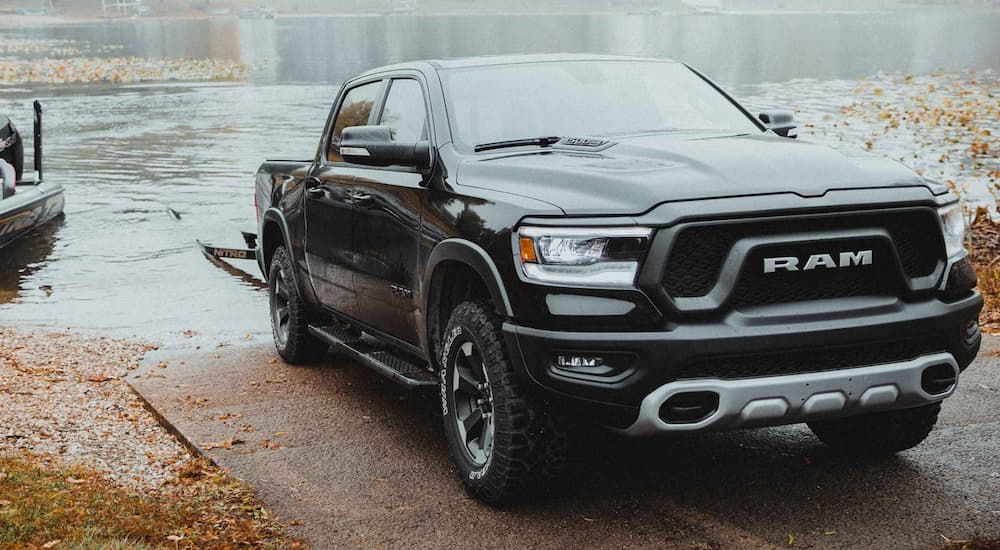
[(120, 264)]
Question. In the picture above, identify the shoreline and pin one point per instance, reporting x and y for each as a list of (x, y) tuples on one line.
[(15, 21)]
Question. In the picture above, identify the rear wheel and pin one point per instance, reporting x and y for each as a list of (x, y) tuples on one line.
[(878, 434), (289, 315), (506, 442)]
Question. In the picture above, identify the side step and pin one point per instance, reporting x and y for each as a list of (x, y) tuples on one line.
[(372, 353)]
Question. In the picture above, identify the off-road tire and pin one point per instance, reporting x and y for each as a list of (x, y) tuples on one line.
[(879, 434), (293, 341), (529, 444)]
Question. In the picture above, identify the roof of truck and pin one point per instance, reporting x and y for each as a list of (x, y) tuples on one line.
[(488, 60)]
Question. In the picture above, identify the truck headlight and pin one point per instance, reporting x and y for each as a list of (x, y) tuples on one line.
[(953, 225), (600, 257)]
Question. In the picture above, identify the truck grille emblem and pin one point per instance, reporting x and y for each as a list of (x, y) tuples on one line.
[(827, 261)]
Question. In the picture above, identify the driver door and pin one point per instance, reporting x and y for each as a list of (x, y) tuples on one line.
[(329, 209)]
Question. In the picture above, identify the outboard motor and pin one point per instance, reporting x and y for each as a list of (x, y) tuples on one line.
[(7, 180), (11, 146)]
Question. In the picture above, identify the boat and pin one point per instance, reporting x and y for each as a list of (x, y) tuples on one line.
[(27, 201), (258, 13)]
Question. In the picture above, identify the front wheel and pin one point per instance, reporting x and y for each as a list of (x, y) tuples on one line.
[(289, 314), (505, 442), (878, 434)]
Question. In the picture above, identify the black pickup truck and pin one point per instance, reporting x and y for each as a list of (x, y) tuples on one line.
[(554, 239)]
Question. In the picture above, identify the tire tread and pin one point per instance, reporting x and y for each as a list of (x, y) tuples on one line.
[(878, 434), (301, 347), (530, 447)]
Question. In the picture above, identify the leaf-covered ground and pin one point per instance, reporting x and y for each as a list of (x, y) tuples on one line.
[(82, 462), (985, 254), (118, 70), (76, 507), (37, 61)]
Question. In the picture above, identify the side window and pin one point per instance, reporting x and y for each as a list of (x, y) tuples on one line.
[(404, 112), (354, 111)]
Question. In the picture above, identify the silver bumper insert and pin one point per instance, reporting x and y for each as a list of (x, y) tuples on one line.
[(796, 398)]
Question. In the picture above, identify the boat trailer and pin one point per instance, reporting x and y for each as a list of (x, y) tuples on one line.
[(216, 255), (248, 253)]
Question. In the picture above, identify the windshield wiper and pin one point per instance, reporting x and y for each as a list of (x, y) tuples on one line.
[(539, 141)]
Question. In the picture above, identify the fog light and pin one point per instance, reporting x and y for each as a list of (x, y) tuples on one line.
[(578, 361), (607, 368)]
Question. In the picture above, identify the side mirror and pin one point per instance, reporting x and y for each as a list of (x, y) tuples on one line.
[(780, 122), (373, 146)]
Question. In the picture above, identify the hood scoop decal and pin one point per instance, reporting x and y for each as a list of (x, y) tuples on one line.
[(590, 144)]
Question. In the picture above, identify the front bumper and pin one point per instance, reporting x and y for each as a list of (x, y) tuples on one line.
[(798, 398), (805, 332)]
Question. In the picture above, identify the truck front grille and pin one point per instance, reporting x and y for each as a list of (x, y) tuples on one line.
[(756, 288), (783, 362), (697, 255)]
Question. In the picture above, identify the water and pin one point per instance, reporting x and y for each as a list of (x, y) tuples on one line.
[(120, 264)]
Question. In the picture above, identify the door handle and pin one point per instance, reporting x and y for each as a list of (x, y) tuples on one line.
[(362, 199), (316, 192)]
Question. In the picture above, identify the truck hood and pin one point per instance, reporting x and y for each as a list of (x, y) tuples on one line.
[(635, 174)]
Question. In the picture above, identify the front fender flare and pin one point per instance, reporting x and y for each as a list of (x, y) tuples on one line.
[(475, 257)]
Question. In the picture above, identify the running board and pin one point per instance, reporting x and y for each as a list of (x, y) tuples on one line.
[(374, 354)]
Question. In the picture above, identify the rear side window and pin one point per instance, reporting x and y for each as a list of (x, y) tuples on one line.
[(354, 111), (404, 112)]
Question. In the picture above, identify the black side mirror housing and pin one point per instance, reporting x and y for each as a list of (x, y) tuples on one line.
[(780, 122), (374, 146)]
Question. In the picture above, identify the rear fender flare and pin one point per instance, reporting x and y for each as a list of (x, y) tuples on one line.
[(273, 215)]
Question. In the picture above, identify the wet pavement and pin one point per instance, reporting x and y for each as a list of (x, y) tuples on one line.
[(352, 460)]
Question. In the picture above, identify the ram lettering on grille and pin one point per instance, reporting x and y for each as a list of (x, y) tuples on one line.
[(826, 261)]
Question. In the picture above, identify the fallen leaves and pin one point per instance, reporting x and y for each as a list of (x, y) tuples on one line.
[(66, 401), (203, 508), (118, 70), (224, 444), (271, 445)]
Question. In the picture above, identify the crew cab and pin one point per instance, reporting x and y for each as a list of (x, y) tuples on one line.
[(555, 239)]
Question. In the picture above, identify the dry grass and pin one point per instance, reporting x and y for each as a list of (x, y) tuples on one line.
[(43, 507), (975, 544)]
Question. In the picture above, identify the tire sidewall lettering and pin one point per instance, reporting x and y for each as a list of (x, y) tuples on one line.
[(449, 341), (446, 352)]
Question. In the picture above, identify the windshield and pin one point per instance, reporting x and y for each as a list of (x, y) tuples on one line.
[(583, 98)]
